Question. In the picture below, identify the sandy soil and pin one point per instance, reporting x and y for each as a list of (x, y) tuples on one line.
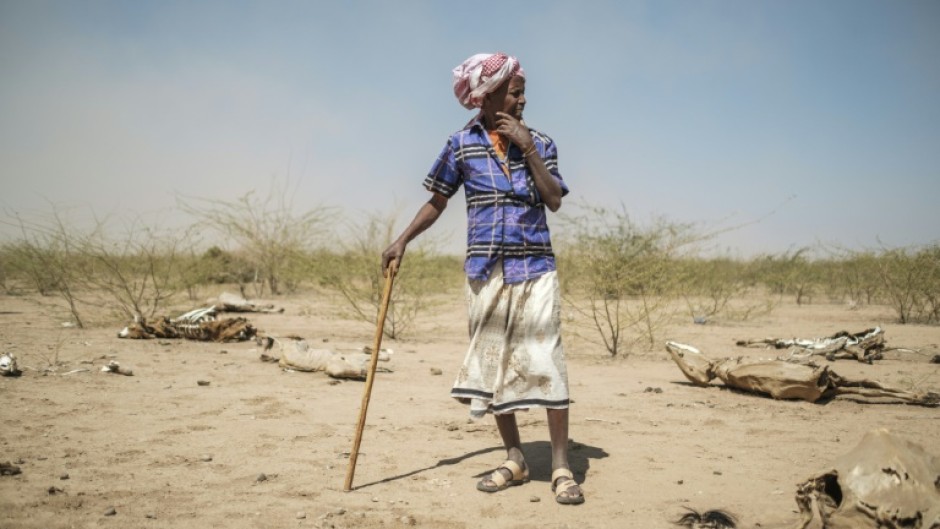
[(163, 451)]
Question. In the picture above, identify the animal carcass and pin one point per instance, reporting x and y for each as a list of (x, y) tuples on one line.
[(864, 346), (227, 302), (785, 380), (296, 354), (884, 482), (199, 324)]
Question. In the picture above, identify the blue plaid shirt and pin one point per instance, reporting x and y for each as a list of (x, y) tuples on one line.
[(505, 215)]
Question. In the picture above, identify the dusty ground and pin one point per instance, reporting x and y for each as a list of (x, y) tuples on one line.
[(166, 452)]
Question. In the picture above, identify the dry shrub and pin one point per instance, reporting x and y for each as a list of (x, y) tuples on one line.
[(138, 272), (273, 239), (723, 288), (789, 273), (356, 274), (49, 256), (858, 274), (710, 284), (622, 277), (215, 266), (24, 260), (142, 271), (911, 283)]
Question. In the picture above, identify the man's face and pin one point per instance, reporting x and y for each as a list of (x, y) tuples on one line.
[(508, 98)]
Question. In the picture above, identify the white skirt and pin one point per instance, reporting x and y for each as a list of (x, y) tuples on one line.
[(516, 360)]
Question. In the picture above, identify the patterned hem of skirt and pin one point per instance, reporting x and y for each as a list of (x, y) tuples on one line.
[(479, 407)]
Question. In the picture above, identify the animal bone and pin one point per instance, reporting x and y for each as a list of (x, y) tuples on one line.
[(8, 367), (864, 346), (114, 367)]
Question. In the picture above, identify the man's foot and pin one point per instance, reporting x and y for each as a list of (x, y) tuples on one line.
[(566, 489), (509, 474)]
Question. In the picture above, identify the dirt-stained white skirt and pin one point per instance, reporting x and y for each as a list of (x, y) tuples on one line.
[(516, 360)]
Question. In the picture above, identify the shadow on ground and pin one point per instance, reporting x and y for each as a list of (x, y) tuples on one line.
[(538, 455)]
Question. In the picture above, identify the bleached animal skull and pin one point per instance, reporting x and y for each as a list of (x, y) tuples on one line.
[(884, 482), (8, 366)]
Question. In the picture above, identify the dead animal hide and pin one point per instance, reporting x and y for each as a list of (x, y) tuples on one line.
[(9, 469), (780, 380), (884, 482), (141, 329), (228, 302), (227, 330), (694, 365), (711, 519), (785, 380), (297, 355), (199, 325)]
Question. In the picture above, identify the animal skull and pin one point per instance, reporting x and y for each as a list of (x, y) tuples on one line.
[(8, 367)]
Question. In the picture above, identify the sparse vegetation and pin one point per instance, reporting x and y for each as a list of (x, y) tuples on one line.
[(271, 238), (137, 273), (712, 286), (141, 272), (789, 273), (911, 282), (356, 274), (623, 282), (48, 255), (623, 277)]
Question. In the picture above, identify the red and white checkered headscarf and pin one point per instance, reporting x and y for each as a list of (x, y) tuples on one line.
[(481, 74)]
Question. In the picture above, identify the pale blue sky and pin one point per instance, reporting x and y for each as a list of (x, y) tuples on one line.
[(825, 113)]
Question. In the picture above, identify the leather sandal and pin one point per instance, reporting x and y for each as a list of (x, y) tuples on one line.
[(563, 484), (519, 476)]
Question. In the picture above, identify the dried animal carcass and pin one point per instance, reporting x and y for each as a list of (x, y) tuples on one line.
[(711, 519), (296, 354), (141, 329), (785, 380), (884, 482), (865, 346), (227, 302), (200, 324)]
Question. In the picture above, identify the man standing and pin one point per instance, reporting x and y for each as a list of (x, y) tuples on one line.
[(510, 177)]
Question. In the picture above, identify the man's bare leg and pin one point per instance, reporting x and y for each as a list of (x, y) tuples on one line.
[(558, 431), (509, 431)]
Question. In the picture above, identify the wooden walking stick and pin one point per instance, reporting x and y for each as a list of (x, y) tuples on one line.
[(379, 329)]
